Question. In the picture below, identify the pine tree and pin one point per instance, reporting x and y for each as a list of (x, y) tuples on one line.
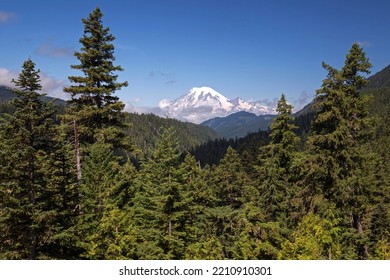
[(27, 213), (161, 203), (315, 237), (95, 110), (100, 170), (340, 166), (276, 165), (232, 190), (199, 195), (65, 197)]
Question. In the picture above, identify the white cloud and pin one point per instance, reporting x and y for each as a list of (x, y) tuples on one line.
[(364, 44), (49, 49), (143, 110), (303, 99), (53, 87), (5, 16), (164, 103), (6, 77), (50, 85)]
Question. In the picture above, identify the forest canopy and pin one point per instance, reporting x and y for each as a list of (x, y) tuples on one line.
[(90, 181)]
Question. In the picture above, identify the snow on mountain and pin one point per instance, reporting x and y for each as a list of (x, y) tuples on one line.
[(203, 103)]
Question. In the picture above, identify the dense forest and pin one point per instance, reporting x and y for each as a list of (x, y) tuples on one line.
[(92, 182)]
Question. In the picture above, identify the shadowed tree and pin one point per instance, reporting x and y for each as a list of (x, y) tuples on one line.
[(27, 215)]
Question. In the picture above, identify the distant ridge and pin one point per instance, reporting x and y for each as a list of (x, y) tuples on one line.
[(380, 79), (242, 123), (7, 95), (239, 124)]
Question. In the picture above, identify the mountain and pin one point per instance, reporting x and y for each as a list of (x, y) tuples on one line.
[(203, 103), (145, 129), (380, 79), (239, 124), (7, 95)]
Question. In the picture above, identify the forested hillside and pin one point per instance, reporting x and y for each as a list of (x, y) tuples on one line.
[(143, 129), (69, 188)]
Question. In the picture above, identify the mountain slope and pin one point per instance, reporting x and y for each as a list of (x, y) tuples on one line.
[(7, 95), (203, 103), (380, 79), (239, 124), (144, 130)]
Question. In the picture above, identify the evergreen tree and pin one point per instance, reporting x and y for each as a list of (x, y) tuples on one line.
[(65, 197), (27, 214), (106, 224), (100, 170), (340, 166), (94, 108), (232, 190), (315, 238), (276, 165), (199, 198), (161, 203)]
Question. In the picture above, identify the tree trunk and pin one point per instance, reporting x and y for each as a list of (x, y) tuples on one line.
[(77, 150)]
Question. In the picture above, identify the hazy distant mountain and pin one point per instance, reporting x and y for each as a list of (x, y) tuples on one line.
[(239, 124), (242, 123), (380, 79), (6, 95), (203, 103)]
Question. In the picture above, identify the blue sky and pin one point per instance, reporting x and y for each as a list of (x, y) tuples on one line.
[(254, 49)]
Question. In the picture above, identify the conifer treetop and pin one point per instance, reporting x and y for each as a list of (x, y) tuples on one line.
[(96, 58), (28, 79)]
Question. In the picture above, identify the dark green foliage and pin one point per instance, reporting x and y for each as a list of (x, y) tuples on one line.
[(276, 165), (100, 191), (269, 195), (144, 130), (213, 151), (161, 202), (93, 106), (27, 212), (341, 165)]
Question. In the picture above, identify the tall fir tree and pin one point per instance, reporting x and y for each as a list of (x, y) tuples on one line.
[(27, 214), (95, 121), (276, 165), (94, 109), (226, 219), (340, 163), (161, 202), (99, 170)]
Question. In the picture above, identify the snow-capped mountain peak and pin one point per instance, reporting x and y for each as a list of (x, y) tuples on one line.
[(203, 96), (203, 103)]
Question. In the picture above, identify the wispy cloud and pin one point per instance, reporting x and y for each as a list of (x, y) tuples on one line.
[(129, 107), (6, 77), (364, 43), (168, 78), (164, 103), (50, 85), (269, 103), (49, 49), (6, 16), (303, 99)]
